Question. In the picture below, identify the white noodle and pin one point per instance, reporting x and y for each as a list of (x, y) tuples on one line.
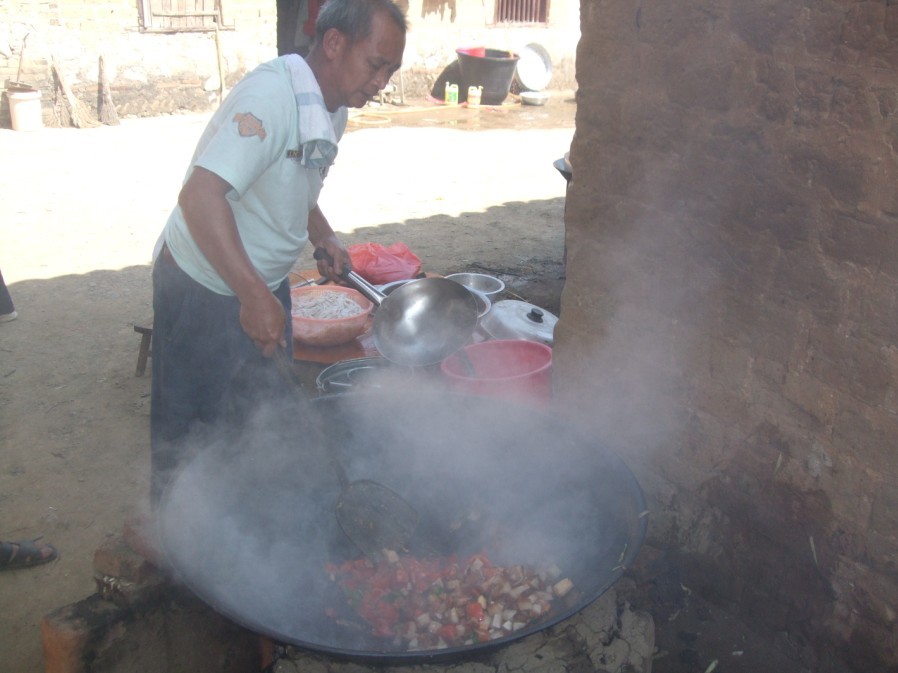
[(326, 305)]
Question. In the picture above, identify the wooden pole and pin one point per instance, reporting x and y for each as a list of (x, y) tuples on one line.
[(221, 62)]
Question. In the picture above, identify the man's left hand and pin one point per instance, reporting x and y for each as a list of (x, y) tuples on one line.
[(337, 263)]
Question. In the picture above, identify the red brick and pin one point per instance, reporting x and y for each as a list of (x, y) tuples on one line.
[(114, 558), (65, 637)]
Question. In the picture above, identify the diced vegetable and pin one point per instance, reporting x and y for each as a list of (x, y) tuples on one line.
[(440, 602), (325, 305)]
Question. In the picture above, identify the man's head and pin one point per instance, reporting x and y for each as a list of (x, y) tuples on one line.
[(358, 46)]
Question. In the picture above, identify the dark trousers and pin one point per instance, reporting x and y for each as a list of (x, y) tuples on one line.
[(6, 305), (208, 376)]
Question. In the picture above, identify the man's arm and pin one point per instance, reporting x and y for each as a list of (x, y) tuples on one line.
[(321, 235), (211, 223)]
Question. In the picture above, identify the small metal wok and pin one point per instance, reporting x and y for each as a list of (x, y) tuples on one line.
[(250, 528), (420, 322)]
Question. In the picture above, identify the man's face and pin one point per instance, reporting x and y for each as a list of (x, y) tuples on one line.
[(365, 67)]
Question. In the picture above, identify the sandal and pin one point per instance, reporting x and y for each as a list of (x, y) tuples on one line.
[(25, 554)]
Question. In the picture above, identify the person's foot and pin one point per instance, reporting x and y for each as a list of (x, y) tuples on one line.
[(8, 317), (25, 554)]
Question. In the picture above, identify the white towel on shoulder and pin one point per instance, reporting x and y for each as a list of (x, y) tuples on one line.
[(316, 128)]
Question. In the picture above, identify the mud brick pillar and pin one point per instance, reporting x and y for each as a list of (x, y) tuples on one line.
[(728, 322)]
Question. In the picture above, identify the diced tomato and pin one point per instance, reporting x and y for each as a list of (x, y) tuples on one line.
[(474, 610), (448, 632)]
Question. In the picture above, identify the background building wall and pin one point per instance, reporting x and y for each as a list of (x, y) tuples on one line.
[(152, 73), (149, 73)]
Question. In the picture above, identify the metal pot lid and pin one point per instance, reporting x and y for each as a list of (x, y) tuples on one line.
[(511, 319), (362, 373)]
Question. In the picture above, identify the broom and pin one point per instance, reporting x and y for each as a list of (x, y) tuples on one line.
[(69, 110), (105, 108)]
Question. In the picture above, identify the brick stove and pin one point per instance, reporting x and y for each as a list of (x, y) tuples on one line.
[(139, 621)]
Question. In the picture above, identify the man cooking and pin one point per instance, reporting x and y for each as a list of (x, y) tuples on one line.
[(247, 208)]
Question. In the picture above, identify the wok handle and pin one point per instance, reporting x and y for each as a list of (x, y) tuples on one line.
[(357, 281), (285, 369)]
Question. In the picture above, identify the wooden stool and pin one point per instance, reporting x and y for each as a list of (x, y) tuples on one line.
[(145, 330)]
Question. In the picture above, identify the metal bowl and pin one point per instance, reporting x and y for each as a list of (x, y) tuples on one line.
[(489, 286), (363, 373), (534, 97), (387, 288), (483, 303)]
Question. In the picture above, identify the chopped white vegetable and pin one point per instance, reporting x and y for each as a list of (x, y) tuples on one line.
[(326, 305)]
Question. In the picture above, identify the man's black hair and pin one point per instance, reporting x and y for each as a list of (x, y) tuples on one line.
[(353, 17)]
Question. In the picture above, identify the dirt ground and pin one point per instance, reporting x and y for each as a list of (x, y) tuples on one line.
[(465, 189)]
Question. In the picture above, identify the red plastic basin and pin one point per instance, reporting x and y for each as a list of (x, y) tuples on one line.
[(514, 369)]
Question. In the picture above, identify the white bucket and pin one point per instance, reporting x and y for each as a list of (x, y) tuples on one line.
[(25, 110)]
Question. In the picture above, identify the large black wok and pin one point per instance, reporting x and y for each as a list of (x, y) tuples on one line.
[(249, 523)]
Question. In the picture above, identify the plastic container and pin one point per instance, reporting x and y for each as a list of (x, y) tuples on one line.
[(479, 52), (513, 369), (494, 71), (451, 97), (25, 110), (329, 332)]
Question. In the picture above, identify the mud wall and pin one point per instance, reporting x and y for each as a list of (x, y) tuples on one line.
[(153, 73), (729, 318), (439, 27), (148, 73)]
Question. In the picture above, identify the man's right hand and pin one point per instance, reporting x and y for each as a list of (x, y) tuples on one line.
[(264, 320)]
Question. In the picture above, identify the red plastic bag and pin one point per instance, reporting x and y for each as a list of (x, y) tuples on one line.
[(379, 264)]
